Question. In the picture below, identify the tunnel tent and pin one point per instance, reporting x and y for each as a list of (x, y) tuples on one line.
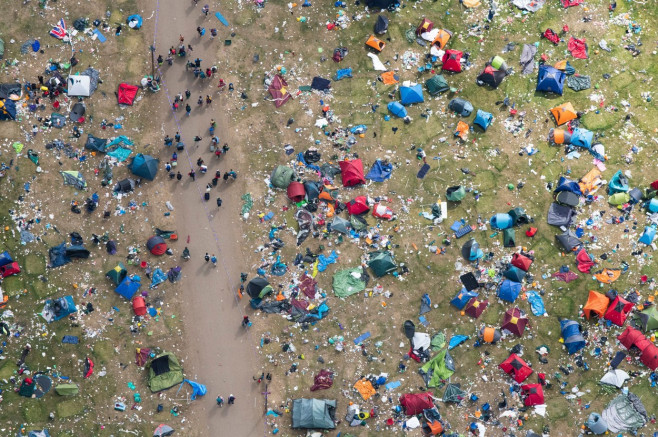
[(572, 336), (313, 414), (397, 109)]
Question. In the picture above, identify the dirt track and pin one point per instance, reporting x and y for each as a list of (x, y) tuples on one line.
[(220, 353)]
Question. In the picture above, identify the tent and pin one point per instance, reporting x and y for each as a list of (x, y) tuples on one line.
[(163, 430), (452, 61), (164, 372), (462, 298), (559, 136), (648, 235), (513, 273), (381, 25), (509, 290), (77, 113), (597, 303), (582, 138), (117, 274), (358, 205), (632, 337), (453, 394), (533, 394), (425, 26), (7, 109), (156, 245), (74, 178), (436, 85), (126, 94), (567, 198), (348, 282), (380, 171), (560, 215), (471, 250), (571, 334), (11, 91), (139, 306), (501, 221), (441, 39), (514, 321), (125, 186), (460, 106), (519, 217), (78, 86), (648, 318), (490, 76), (134, 21), (67, 389), (618, 311), (615, 377), (489, 335), (564, 113), (596, 424), (607, 276), (34, 433), (416, 403), (509, 238), (5, 258), (550, 79), (282, 176), (296, 192), (258, 288), (475, 307), (144, 166), (411, 94), (568, 240), (341, 225), (520, 261), (625, 413), (483, 119), (618, 183), (128, 287), (397, 109), (313, 414), (440, 368), (278, 89), (577, 48), (96, 144), (381, 263), (57, 309), (375, 43), (515, 367), (43, 384), (455, 193), (565, 184), (382, 4), (352, 172), (10, 269)]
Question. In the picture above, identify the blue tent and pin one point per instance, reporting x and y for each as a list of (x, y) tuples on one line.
[(652, 206), (57, 255), (134, 21), (343, 73), (573, 339), (5, 258), (501, 221), (397, 109), (550, 79), (514, 274), (379, 171), (144, 166), (582, 138), (462, 298), (618, 184), (483, 119), (55, 309), (411, 94), (565, 184), (128, 287), (7, 109), (197, 389), (648, 235), (157, 277), (509, 291)]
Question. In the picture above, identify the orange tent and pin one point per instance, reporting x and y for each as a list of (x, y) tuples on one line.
[(608, 276), (558, 136), (462, 130), (442, 38), (596, 303), (375, 43), (389, 78), (590, 182), (564, 113), (365, 388), (561, 65)]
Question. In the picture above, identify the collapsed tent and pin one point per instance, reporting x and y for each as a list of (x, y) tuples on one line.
[(77, 113), (278, 89), (56, 309), (618, 311), (164, 372), (416, 403), (564, 113), (313, 414), (625, 413), (74, 178), (440, 368), (7, 110), (550, 79), (144, 166), (126, 94), (515, 367), (381, 25), (352, 172), (380, 171), (453, 394), (348, 282), (95, 144), (648, 318), (572, 336)]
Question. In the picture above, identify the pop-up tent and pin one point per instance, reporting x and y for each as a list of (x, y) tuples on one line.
[(258, 288), (352, 172), (278, 89), (78, 86), (452, 61), (56, 309), (381, 263), (164, 372), (144, 166), (117, 274), (436, 85), (126, 94), (572, 336), (509, 290), (514, 321), (475, 307), (156, 245), (618, 311), (483, 119), (411, 94), (550, 79), (313, 414), (127, 288), (533, 394), (515, 367), (648, 318), (564, 113), (597, 303)]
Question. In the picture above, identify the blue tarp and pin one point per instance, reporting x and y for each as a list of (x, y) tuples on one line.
[(550, 79), (300, 158), (5, 258), (536, 303), (343, 73), (128, 288), (157, 277), (379, 171), (462, 298), (648, 235), (411, 94), (197, 389), (456, 340), (70, 339), (501, 221), (565, 184), (509, 290), (120, 153), (573, 339), (326, 261), (483, 119), (397, 109)]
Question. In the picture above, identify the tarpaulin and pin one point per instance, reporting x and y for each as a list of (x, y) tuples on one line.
[(536, 303), (577, 48), (365, 388)]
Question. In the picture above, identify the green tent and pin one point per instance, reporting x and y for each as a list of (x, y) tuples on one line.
[(313, 413), (282, 176), (456, 193), (69, 389), (436, 84), (117, 274), (519, 217), (509, 237), (619, 198), (649, 318), (2, 48), (453, 393), (358, 222), (74, 178), (381, 263), (438, 369), (348, 282), (164, 372)]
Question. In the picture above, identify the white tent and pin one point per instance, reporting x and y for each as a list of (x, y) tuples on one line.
[(615, 377), (79, 86)]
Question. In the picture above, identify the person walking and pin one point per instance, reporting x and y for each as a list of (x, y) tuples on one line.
[(219, 202), (200, 101), (192, 174), (207, 257), (213, 260), (177, 137), (231, 399), (188, 93), (179, 176), (205, 9), (213, 33), (208, 100), (188, 109), (220, 401)]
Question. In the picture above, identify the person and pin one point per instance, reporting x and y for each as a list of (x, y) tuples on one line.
[(174, 106), (219, 202), (225, 148), (213, 260), (117, 32), (179, 97), (213, 123), (203, 168), (260, 378), (199, 162), (167, 167), (188, 109), (177, 137), (205, 9), (197, 62), (222, 84), (213, 33), (200, 101), (172, 50), (231, 399), (208, 187), (211, 130), (245, 321), (198, 29), (207, 257), (208, 72), (174, 157), (189, 47), (218, 174), (192, 174), (220, 401), (196, 140), (214, 141), (160, 60), (179, 176), (182, 39), (208, 100), (188, 93), (170, 60)]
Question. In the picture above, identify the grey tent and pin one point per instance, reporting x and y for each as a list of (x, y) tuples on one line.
[(381, 263), (163, 430), (96, 144), (559, 215), (436, 84), (456, 193), (625, 413), (567, 198), (381, 25), (74, 178), (282, 176), (461, 107), (596, 424), (341, 225), (568, 240), (12, 91), (529, 5), (144, 166), (78, 86), (313, 414), (94, 77), (453, 393), (509, 237), (527, 60), (615, 377), (125, 186), (78, 112)]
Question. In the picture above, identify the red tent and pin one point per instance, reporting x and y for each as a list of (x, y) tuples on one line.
[(567, 3), (10, 269), (279, 90), (474, 307), (649, 357), (451, 61), (584, 262), (514, 321), (139, 306), (126, 94), (352, 172), (415, 403), (156, 245), (296, 191), (632, 337), (382, 211), (521, 262), (534, 394), (577, 47), (618, 311), (654, 185), (358, 205), (515, 367), (89, 367), (424, 26)]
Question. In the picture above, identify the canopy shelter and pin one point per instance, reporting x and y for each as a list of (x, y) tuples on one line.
[(550, 80), (515, 367), (352, 172), (127, 288), (278, 89), (144, 166), (564, 113), (381, 263), (618, 311), (156, 245), (533, 394), (514, 321), (258, 288), (313, 414), (597, 303), (572, 336), (117, 274), (164, 372), (475, 307)]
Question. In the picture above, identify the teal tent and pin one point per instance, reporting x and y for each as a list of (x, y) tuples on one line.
[(381, 263), (144, 166), (436, 84), (313, 414), (456, 193)]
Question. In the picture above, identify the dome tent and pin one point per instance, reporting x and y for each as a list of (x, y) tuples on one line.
[(550, 79), (436, 85), (455, 193), (462, 298), (501, 221), (381, 263), (381, 25), (471, 250), (514, 321), (352, 172), (156, 245), (483, 119), (282, 176), (258, 288), (144, 166), (515, 367)]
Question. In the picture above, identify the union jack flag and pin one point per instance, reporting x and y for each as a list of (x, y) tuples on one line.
[(59, 30)]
